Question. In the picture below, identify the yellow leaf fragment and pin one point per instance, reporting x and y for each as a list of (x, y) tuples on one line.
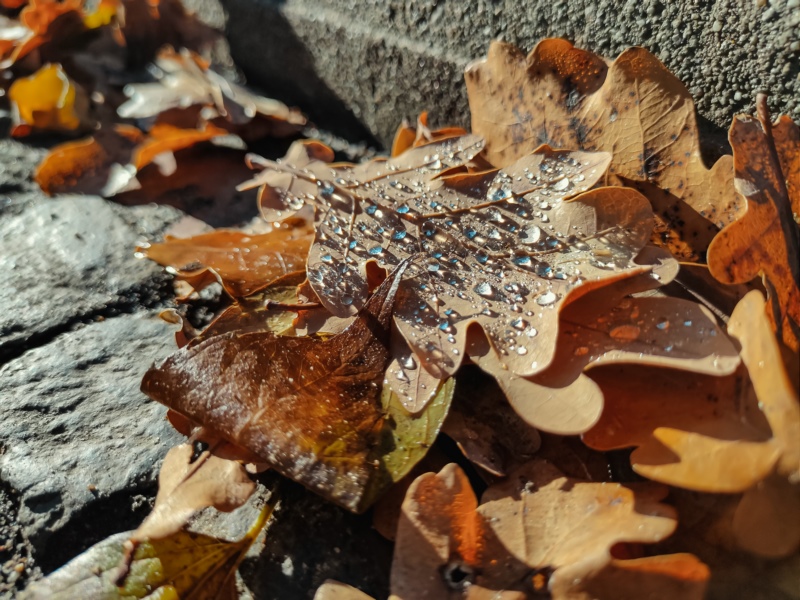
[(47, 101)]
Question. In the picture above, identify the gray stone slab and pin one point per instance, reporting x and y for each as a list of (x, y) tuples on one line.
[(69, 258), (359, 68), (75, 427)]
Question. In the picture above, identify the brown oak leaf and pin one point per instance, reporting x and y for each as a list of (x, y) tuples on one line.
[(766, 239), (634, 108)]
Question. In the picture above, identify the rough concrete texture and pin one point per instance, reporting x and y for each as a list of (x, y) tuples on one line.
[(66, 260), (76, 428), (359, 68)]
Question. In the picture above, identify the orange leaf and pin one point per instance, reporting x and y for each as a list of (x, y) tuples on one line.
[(242, 261), (766, 239)]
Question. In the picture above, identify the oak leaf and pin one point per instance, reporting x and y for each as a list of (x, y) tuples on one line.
[(605, 327), (243, 262), (765, 240), (634, 108), (487, 430), (712, 434), (313, 409), (502, 249), (538, 522)]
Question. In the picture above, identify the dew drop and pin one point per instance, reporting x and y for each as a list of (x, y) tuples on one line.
[(484, 289), (532, 332), (663, 324), (520, 324), (546, 299), (376, 250), (561, 185), (531, 235), (500, 194)]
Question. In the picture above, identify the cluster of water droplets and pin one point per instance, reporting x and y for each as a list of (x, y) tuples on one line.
[(501, 250)]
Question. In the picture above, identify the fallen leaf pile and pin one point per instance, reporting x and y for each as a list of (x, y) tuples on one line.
[(605, 326)]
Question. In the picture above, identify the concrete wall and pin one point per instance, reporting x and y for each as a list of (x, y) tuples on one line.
[(359, 67)]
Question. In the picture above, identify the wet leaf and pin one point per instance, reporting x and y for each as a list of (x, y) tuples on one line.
[(185, 565), (313, 409), (243, 262), (606, 327), (185, 486), (48, 101), (766, 239), (502, 249), (634, 108), (723, 434)]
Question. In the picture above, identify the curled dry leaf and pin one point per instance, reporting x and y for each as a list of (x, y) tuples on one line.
[(45, 22), (766, 239), (312, 409), (185, 80), (634, 108), (502, 249), (48, 101), (184, 565), (243, 262), (185, 486)]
